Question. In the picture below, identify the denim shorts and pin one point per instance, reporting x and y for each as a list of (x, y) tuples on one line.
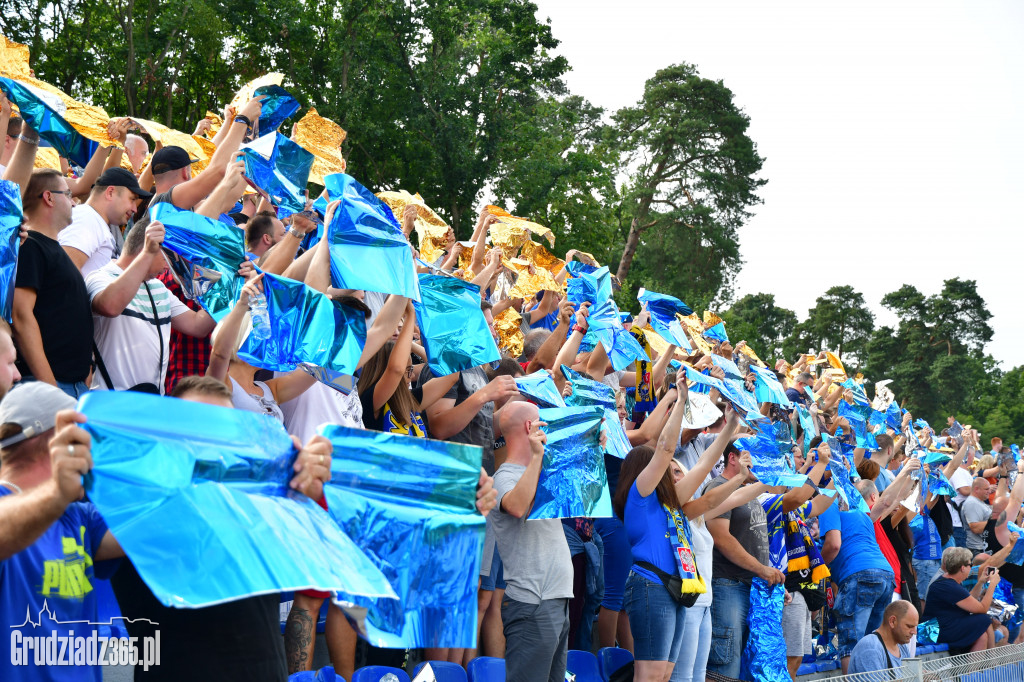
[(926, 570), (860, 602), (655, 619), (496, 578)]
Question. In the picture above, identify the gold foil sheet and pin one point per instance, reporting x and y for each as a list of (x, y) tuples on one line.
[(711, 319), (502, 285), (47, 157), (466, 261), (431, 230), (527, 285), (322, 138), (508, 238), (749, 352), (169, 137), (541, 257), (523, 223), (215, 124), (587, 259), (510, 333), (695, 330), (245, 93), (14, 59)]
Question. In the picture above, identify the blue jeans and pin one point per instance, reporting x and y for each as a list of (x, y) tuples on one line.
[(729, 609), (74, 389), (655, 619), (926, 570), (860, 602), (960, 536), (617, 557), (693, 656)]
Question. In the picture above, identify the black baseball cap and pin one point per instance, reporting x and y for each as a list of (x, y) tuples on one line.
[(119, 177), (171, 158)]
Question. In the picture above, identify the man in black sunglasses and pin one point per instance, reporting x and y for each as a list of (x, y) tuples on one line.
[(52, 317)]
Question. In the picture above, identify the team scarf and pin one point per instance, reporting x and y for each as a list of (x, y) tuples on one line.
[(680, 538), (803, 555), (644, 388)]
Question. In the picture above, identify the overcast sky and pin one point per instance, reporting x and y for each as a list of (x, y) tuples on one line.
[(893, 134)]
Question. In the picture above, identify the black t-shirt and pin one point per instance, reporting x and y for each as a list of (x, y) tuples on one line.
[(240, 640), (388, 422), (143, 222), (480, 429), (62, 309), (1012, 572)]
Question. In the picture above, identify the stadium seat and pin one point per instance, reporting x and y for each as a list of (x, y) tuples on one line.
[(825, 666), (443, 671), (485, 669), (807, 669), (375, 673), (941, 647), (583, 665), (923, 649), (610, 659)]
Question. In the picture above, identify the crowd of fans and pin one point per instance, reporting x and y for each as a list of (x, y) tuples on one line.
[(669, 577)]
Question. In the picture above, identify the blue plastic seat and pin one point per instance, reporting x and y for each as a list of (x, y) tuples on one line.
[(610, 659), (809, 658), (825, 666), (923, 649), (443, 671), (374, 673), (583, 665), (303, 676), (485, 669), (807, 669), (941, 647)]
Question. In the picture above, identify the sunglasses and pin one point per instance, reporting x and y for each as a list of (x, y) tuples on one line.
[(65, 192)]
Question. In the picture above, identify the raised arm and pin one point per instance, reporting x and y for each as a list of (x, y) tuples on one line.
[(707, 460), (548, 351), (395, 371), (567, 354), (112, 301), (225, 343), (519, 501)]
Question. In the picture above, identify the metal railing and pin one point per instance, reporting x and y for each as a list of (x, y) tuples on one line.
[(1001, 664)]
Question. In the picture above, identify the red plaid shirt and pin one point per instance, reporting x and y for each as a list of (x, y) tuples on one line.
[(189, 355)]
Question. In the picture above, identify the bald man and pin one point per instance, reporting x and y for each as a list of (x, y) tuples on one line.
[(886, 647), (976, 512), (537, 564)]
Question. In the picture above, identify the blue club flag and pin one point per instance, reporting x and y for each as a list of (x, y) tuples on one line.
[(368, 249), (204, 255), (410, 504), (453, 329), (183, 484), (41, 114), (573, 480), (307, 327), (10, 222), (279, 167)]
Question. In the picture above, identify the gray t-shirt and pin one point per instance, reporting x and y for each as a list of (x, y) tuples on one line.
[(974, 510), (870, 655), (749, 525), (534, 553), (480, 429)]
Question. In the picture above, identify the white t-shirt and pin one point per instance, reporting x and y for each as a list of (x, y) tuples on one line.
[(90, 234), (130, 343), (960, 478), (321, 404)]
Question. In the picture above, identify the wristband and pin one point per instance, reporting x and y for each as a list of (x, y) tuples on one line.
[(581, 330), (243, 119), (28, 141)]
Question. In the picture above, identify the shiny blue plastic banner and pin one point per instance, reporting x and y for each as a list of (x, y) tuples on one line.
[(840, 470), (185, 485), (809, 426), (859, 425), (893, 416), (453, 329), (368, 249), (590, 287), (573, 481), (1017, 553), (10, 223), (770, 448), (306, 327), (716, 332), (938, 484), (587, 392), (605, 326), (204, 255), (764, 654), (540, 389), (732, 372), (278, 105), (283, 174), (741, 399), (577, 268), (767, 388), (410, 504), (663, 310), (43, 118)]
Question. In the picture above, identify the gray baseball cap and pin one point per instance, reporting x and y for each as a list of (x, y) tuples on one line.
[(33, 405)]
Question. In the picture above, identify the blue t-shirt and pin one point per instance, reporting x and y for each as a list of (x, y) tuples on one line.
[(796, 396), (647, 529), (859, 549), (927, 543), (884, 480), (50, 582), (549, 321)]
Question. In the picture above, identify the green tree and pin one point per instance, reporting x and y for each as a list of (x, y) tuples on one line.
[(691, 183), (840, 321), (758, 320)]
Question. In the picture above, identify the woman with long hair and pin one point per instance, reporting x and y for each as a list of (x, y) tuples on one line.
[(648, 502), (389, 404)]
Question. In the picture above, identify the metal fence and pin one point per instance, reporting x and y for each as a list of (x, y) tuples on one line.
[(1002, 664)]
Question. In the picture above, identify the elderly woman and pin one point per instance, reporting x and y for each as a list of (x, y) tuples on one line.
[(963, 617)]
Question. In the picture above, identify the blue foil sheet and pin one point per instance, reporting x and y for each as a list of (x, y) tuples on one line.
[(185, 484), (893, 416), (1017, 553), (573, 481), (50, 125), (933, 458), (1015, 451), (663, 309), (306, 327), (283, 176), (928, 631), (859, 425), (591, 287), (732, 372), (204, 255), (410, 503), (740, 398), (588, 392), (764, 655), (717, 333), (368, 249), (767, 388), (769, 450), (938, 484), (453, 329), (577, 268), (604, 326), (278, 105), (10, 222), (839, 467), (808, 424), (540, 389)]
